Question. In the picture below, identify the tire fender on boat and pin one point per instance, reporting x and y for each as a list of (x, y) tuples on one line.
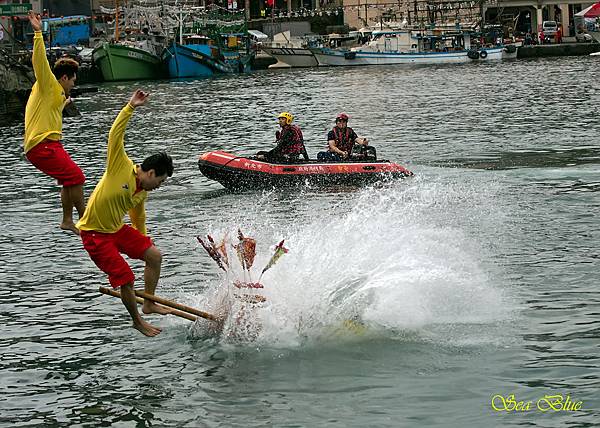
[(473, 54), (483, 54)]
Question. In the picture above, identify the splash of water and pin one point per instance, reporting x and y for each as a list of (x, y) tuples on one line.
[(377, 262)]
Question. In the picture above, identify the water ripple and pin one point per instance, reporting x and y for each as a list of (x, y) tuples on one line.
[(477, 277)]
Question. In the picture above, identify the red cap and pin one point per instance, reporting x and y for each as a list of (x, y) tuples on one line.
[(342, 116)]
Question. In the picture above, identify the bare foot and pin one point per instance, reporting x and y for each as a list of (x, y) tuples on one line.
[(69, 226), (150, 307), (147, 329)]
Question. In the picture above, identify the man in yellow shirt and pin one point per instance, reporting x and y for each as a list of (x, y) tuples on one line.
[(43, 125), (123, 189)]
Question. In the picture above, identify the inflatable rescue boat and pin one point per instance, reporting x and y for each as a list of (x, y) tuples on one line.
[(243, 173)]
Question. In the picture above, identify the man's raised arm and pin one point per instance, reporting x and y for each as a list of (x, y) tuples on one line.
[(116, 136), (41, 67)]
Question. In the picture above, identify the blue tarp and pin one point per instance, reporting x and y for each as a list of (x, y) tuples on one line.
[(68, 30)]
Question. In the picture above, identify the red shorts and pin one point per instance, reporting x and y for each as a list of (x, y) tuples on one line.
[(105, 250), (51, 158)]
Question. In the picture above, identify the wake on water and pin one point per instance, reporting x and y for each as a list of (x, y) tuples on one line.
[(412, 258)]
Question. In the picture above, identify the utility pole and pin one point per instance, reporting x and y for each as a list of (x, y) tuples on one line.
[(481, 12), (116, 21), (416, 13)]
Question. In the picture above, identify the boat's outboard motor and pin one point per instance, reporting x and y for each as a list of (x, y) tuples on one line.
[(366, 153)]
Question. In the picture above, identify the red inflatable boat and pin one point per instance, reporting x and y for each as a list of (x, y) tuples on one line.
[(243, 173)]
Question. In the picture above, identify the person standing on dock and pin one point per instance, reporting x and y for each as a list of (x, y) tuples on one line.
[(43, 125), (123, 189)]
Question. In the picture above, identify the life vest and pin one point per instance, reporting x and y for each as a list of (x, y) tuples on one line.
[(294, 137), (343, 138)]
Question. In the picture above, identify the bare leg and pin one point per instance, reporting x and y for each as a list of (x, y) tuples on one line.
[(71, 196), (153, 259), (128, 299), (76, 193)]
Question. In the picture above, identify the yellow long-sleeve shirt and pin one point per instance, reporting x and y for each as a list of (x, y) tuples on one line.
[(43, 114), (115, 195)]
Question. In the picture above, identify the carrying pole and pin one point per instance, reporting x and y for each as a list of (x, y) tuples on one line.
[(175, 305), (177, 309)]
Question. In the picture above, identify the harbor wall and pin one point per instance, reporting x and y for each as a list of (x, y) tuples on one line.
[(563, 49), (15, 84)]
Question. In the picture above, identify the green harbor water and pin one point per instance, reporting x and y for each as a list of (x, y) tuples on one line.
[(474, 280)]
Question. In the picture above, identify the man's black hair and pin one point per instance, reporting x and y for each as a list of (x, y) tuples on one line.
[(66, 66), (161, 163)]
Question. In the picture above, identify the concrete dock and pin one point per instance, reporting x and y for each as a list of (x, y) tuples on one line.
[(563, 49)]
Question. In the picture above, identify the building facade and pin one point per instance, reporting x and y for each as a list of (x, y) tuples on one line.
[(516, 16), (12, 28)]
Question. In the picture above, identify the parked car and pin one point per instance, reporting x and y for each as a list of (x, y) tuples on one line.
[(584, 37), (549, 28)]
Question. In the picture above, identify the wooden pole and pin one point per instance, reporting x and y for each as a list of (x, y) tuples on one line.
[(111, 292), (177, 309), (116, 21), (175, 305)]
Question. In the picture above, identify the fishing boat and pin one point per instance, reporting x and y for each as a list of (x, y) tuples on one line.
[(235, 48), (135, 56), (243, 173), (290, 56), (208, 47), (127, 62), (197, 56), (390, 47), (218, 43), (290, 51)]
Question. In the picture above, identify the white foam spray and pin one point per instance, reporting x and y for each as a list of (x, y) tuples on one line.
[(378, 262)]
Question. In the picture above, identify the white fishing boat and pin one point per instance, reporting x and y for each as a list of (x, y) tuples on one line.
[(290, 56), (289, 51), (412, 47)]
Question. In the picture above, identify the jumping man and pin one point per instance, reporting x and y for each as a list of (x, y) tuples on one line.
[(123, 189), (43, 125)]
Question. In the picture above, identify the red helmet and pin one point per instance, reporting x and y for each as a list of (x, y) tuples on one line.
[(342, 116)]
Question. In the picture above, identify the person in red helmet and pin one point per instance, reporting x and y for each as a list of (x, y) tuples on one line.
[(290, 143), (341, 141)]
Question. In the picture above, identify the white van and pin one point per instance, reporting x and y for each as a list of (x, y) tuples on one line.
[(549, 28)]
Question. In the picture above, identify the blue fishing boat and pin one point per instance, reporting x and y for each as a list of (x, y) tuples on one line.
[(195, 57), (236, 51)]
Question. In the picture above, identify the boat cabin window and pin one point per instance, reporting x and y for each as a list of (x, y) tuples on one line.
[(197, 41), (390, 35)]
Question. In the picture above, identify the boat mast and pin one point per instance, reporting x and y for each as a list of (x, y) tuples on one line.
[(181, 26), (116, 20)]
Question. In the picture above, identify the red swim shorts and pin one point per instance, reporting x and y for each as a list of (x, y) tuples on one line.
[(105, 250), (51, 158)]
